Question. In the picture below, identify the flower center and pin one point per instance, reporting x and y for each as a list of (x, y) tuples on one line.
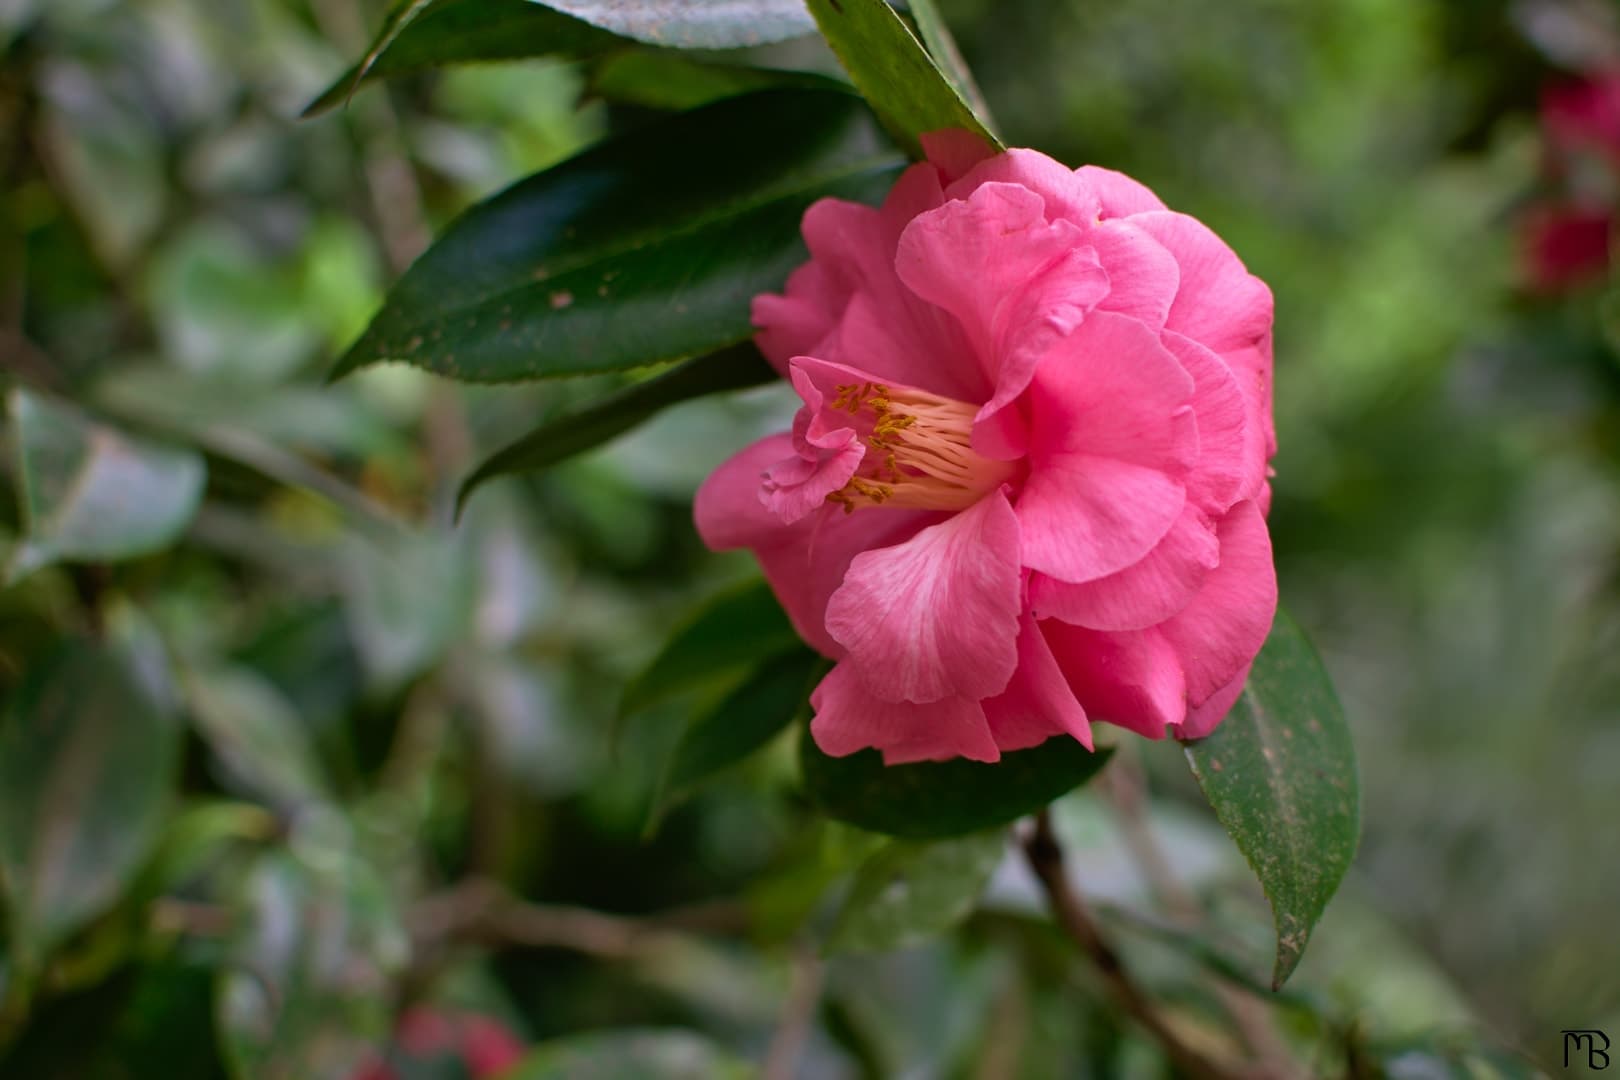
[(919, 451)]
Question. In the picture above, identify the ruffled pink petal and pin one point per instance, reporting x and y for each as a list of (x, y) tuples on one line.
[(1218, 634), (1142, 276), (1130, 679), (799, 321), (827, 451), (1111, 389), (806, 561), (938, 615), (1142, 595), (1220, 304), (1203, 719), (1231, 443), (849, 718), (954, 151), (1087, 517), (1038, 702), (1064, 195), (1015, 282), (1118, 195)]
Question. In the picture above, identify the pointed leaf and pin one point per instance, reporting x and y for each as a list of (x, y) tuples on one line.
[(894, 72), (257, 737), (944, 798), (559, 439), (89, 749), (936, 37), (446, 32), (1280, 772), (661, 79), (732, 631), (92, 493), (771, 698), (911, 892), (694, 24), (646, 248)]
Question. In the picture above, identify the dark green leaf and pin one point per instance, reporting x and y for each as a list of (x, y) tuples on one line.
[(734, 630), (91, 493), (730, 369), (944, 798), (694, 24), (646, 248), (629, 1054), (448, 32), (770, 699), (257, 736), (936, 36), (660, 79), (1280, 772), (910, 892), (88, 754), (905, 86)]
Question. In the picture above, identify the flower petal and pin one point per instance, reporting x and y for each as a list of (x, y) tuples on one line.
[(954, 151), (937, 615), (1143, 277), (849, 718), (1087, 517), (1064, 195), (1203, 719), (1231, 441), (1220, 304), (806, 561), (1218, 634), (1130, 679), (1142, 595), (1118, 195), (1038, 702)]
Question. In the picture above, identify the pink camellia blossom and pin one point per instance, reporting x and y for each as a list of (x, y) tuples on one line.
[(481, 1046), (1564, 238), (1026, 490)]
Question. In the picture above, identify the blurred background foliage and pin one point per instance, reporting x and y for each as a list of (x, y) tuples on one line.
[(327, 720)]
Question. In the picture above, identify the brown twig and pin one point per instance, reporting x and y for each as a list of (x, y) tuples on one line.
[(1125, 788), (798, 1015), (1045, 857)]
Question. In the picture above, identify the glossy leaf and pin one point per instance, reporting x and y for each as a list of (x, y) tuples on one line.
[(774, 695), (694, 24), (1280, 772), (257, 737), (91, 493), (911, 892), (559, 439), (629, 1054), (446, 32), (88, 755), (731, 632), (892, 69), (936, 38), (936, 799), (646, 248), (660, 79)]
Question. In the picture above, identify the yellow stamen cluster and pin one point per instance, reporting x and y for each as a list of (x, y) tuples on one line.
[(920, 452)]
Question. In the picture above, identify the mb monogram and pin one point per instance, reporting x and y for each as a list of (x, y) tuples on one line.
[(1590, 1041)]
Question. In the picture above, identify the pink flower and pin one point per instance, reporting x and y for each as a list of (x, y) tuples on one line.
[(482, 1046), (1027, 486), (1564, 238)]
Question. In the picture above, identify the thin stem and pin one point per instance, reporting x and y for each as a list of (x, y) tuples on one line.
[(1045, 857), (1125, 788)]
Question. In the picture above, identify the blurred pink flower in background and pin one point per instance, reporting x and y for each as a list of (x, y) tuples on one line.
[(1027, 486), (483, 1047), (1564, 237)]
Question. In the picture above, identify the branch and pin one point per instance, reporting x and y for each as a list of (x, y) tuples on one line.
[(1046, 859)]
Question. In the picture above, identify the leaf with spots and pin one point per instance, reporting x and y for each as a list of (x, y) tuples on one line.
[(908, 892), (1280, 772), (646, 248)]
